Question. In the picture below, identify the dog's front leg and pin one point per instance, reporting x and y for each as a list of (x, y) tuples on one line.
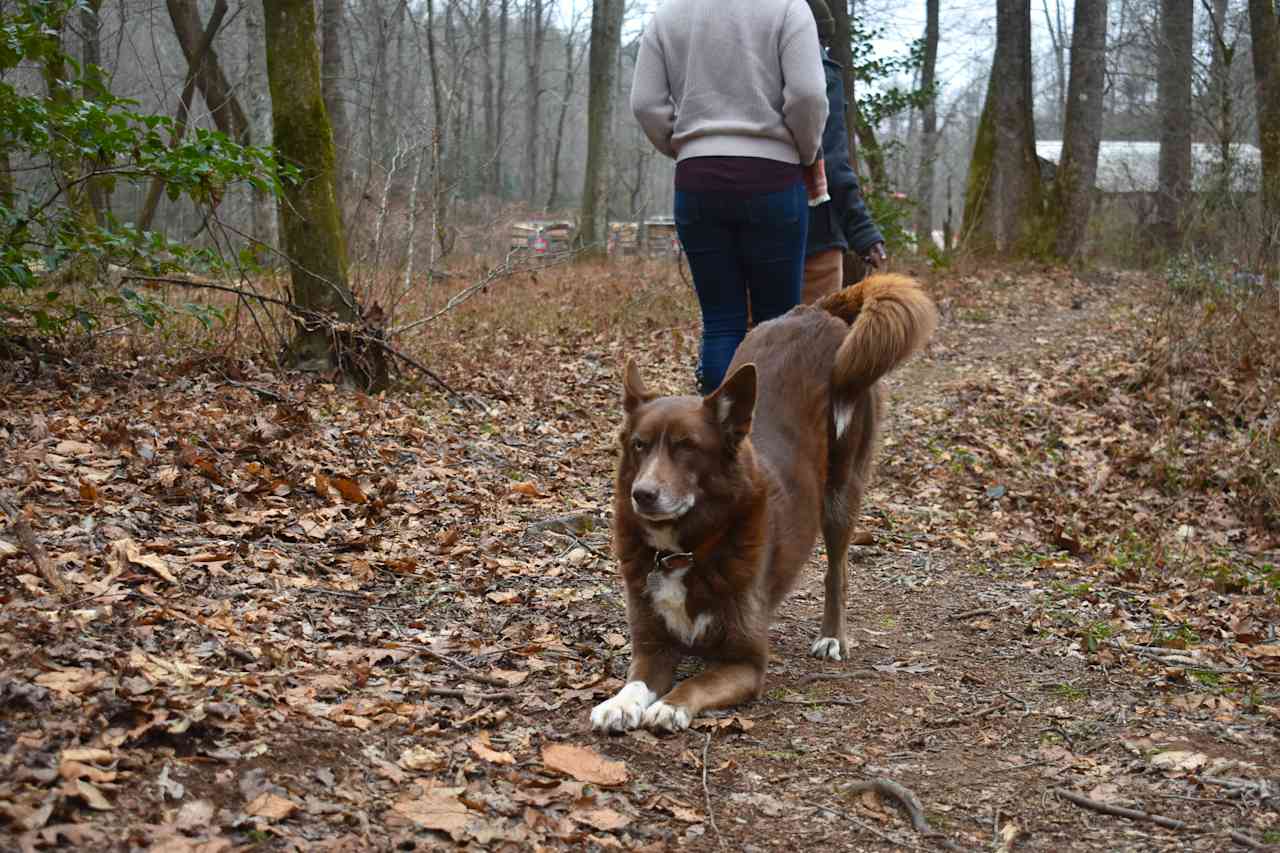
[(650, 675), (720, 686)]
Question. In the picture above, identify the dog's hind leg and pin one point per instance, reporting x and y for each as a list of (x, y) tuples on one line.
[(849, 472), (837, 529)]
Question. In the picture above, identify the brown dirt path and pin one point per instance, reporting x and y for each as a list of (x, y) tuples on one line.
[(302, 620), (956, 688)]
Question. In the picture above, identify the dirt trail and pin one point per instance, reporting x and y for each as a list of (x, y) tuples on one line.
[(325, 623), (953, 689)]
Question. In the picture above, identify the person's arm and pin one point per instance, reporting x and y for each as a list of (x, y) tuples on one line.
[(860, 232), (651, 100), (804, 89)]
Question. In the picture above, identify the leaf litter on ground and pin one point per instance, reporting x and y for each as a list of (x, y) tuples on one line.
[(394, 613)]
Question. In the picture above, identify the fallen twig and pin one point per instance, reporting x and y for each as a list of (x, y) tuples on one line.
[(1026, 709), (970, 614), (471, 673), (34, 549), (890, 789), (976, 715), (803, 700), (588, 547), (454, 693), (883, 836), (837, 676), (1248, 841), (1119, 811), (706, 790)]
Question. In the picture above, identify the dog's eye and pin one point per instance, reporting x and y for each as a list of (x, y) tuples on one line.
[(639, 445), (681, 444)]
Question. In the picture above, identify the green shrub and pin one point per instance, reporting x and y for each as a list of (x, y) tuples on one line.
[(76, 132)]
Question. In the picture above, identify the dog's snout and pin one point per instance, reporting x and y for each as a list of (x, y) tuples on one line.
[(645, 498)]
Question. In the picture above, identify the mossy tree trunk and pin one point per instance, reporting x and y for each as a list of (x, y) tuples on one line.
[(1067, 216), (1173, 101), (1002, 202), (331, 15), (606, 25), (1265, 30), (310, 222)]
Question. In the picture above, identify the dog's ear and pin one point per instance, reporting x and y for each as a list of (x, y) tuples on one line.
[(734, 402), (634, 392)]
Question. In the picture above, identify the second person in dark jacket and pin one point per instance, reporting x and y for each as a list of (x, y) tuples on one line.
[(842, 223)]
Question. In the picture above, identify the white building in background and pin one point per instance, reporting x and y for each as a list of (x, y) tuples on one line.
[(1133, 167)]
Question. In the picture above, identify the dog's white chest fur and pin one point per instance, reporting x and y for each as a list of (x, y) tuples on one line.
[(667, 592)]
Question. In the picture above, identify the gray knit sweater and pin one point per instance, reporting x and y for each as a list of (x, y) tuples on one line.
[(741, 79)]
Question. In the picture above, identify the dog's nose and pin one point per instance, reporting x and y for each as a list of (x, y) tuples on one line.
[(644, 498)]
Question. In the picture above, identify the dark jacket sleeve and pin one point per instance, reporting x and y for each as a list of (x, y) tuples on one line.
[(842, 182)]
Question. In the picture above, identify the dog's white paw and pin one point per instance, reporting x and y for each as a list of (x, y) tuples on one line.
[(662, 717), (827, 648), (622, 713)]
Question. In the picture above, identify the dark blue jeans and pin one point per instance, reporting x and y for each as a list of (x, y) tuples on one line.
[(740, 247)]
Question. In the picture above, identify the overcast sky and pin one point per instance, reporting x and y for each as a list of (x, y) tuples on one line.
[(967, 30)]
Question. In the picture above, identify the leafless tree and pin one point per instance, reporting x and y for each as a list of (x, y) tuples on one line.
[(1265, 29), (1175, 74), (1082, 129)]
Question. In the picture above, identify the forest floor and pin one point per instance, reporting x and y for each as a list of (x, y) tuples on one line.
[(299, 618)]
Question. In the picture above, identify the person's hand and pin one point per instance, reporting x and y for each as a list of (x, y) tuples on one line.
[(875, 256)]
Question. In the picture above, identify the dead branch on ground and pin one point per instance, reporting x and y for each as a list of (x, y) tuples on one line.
[(1119, 811), (34, 549), (706, 790)]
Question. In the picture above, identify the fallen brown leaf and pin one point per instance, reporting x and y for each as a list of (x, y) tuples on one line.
[(584, 764)]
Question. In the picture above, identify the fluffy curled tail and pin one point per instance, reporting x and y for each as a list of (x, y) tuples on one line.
[(890, 317)]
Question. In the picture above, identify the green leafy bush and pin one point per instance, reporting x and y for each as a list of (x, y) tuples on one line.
[(76, 133)]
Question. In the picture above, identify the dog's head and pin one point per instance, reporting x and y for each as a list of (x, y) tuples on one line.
[(677, 449)]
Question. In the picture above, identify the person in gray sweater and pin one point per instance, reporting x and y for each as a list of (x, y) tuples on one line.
[(738, 99)]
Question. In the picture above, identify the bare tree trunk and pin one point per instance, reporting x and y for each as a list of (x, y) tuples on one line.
[(309, 215), (53, 68), (91, 59), (606, 27), (212, 83), (871, 151), (1174, 105), (263, 210), (1220, 63), (1265, 30), (566, 97), (152, 201), (501, 103), (1002, 199), (1082, 130), (929, 130), (6, 180), (842, 52), (1058, 45), (331, 84), (490, 147), (439, 199), (535, 31), (407, 282)]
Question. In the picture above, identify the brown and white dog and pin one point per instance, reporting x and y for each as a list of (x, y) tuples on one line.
[(720, 499)]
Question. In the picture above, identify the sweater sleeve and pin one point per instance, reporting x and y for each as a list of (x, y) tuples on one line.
[(651, 100), (860, 230), (804, 88)]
